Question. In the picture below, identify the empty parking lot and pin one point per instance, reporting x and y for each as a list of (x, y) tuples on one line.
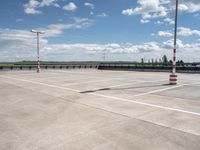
[(98, 110)]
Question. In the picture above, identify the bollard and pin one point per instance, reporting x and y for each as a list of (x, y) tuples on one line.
[(173, 79)]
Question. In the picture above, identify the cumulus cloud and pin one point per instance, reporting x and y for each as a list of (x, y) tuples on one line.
[(49, 3), (70, 6), (165, 33), (188, 32), (148, 9), (152, 9), (189, 6), (146, 6), (20, 45), (169, 21), (158, 22), (32, 6), (87, 4), (110, 48), (144, 21), (169, 44), (182, 31), (14, 42)]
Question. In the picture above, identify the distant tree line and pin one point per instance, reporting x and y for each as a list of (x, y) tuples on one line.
[(164, 60)]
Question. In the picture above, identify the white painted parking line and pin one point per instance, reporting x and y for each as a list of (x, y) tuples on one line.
[(110, 97), (159, 90), (67, 71), (23, 74), (45, 84), (137, 81), (94, 81), (196, 83), (146, 104)]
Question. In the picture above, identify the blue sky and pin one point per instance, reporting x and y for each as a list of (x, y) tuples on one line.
[(85, 29)]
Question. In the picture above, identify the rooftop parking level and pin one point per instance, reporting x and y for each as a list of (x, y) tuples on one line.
[(98, 110)]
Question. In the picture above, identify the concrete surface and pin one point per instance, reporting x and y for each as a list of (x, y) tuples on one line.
[(98, 110)]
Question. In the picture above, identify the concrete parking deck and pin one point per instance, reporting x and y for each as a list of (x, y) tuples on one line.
[(98, 110)]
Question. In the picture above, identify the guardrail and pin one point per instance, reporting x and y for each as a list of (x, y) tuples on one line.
[(181, 69), (45, 67), (108, 66)]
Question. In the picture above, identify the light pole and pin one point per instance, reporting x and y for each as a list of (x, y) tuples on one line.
[(173, 76), (38, 48)]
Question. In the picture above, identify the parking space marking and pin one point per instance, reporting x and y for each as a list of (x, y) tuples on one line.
[(45, 84), (146, 104), (196, 83), (159, 90), (66, 71), (93, 81), (22, 74), (112, 97), (138, 81)]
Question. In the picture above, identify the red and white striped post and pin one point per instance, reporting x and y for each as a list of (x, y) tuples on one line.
[(173, 76)]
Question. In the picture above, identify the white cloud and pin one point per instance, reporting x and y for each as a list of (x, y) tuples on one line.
[(169, 44), (151, 9), (20, 45), (169, 21), (144, 21), (89, 5), (32, 6), (164, 2), (158, 22), (58, 29), (188, 32), (15, 42), (189, 6), (128, 12), (182, 31), (49, 3), (146, 6), (99, 48), (70, 6), (148, 9), (102, 15), (165, 33)]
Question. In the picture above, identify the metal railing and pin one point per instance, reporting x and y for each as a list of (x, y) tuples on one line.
[(186, 67)]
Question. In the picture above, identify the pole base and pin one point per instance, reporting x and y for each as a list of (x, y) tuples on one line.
[(173, 79), (38, 70)]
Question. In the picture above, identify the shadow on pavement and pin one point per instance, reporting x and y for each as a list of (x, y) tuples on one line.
[(136, 87)]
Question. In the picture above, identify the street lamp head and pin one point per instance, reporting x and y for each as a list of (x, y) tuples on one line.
[(35, 31)]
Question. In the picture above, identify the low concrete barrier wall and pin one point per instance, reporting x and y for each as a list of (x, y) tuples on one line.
[(180, 69), (125, 67), (34, 67)]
